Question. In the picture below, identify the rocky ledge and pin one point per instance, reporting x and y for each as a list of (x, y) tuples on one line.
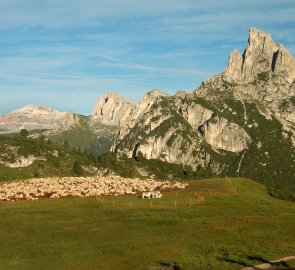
[(56, 187)]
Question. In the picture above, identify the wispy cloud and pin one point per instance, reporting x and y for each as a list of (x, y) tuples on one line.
[(80, 49)]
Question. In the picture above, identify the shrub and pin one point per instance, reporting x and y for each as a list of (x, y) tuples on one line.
[(66, 145), (77, 168), (24, 133)]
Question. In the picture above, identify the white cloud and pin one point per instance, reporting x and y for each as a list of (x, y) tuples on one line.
[(72, 13), (80, 49)]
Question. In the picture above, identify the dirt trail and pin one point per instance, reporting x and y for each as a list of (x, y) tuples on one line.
[(273, 265)]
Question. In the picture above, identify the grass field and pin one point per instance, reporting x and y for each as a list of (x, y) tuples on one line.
[(226, 231)]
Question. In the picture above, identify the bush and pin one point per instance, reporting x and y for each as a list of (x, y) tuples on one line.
[(281, 194), (77, 168), (66, 145), (24, 133)]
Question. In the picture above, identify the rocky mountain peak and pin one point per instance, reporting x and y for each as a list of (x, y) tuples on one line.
[(152, 95), (146, 102), (30, 117), (69, 120), (261, 56), (113, 109)]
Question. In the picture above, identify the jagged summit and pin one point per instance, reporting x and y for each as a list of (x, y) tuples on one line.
[(261, 56), (113, 108), (69, 120), (264, 73), (149, 98)]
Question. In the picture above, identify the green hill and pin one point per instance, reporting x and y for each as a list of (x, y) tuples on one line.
[(226, 231), (47, 158), (86, 135)]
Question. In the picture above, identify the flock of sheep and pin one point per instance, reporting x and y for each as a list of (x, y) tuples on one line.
[(57, 187)]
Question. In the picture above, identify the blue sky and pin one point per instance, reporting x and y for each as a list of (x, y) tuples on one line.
[(67, 53)]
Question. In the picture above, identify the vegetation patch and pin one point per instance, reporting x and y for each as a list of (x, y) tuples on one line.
[(263, 76), (54, 160), (126, 232), (82, 138), (268, 164)]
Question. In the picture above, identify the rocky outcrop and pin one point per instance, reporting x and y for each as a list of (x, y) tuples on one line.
[(172, 129), (9, 157), (264, 74), (113, 109), (30, 117), (21, 162), (141, 109), (224, 135), (151, 130), (218, 132), (261, 57), (194, 113), (69, 121)]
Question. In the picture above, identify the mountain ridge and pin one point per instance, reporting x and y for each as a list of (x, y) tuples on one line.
[(240, 122)]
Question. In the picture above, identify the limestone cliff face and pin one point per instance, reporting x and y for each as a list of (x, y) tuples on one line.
[(216, 130), (70, 120), (142, 111), (113, 109), (224, 135), (173, 129), (262, 55), (264, 74), (9, 157), (156, 129), (96, 132), (30, 117), (230, 124)]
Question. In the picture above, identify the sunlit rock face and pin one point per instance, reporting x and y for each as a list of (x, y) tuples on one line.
[(262, 55), (30, 117), (226, 120), (113, 109), (264, 74)]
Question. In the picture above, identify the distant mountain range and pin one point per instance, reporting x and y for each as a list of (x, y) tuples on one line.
[(94, 133), (30, 117), (240, 122)]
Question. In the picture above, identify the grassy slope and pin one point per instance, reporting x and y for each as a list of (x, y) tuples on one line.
[(83, 234), (82, 137), (52, 166)]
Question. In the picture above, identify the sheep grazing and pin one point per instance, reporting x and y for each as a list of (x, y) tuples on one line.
[(157, 194), (83, 187), (152, 194), (147, 195)]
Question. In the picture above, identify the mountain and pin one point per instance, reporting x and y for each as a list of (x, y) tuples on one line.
[(94, 133), (240, 122), (84, 133), (264, 73), (97, 132), (30, 117), (49, 155), (113, 109)]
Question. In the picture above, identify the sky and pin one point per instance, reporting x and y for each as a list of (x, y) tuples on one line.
[(65, 54)]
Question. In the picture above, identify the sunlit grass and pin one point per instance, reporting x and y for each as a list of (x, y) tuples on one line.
[(130, 233)]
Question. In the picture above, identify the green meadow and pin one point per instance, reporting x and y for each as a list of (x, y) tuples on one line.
[(237, 224)]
